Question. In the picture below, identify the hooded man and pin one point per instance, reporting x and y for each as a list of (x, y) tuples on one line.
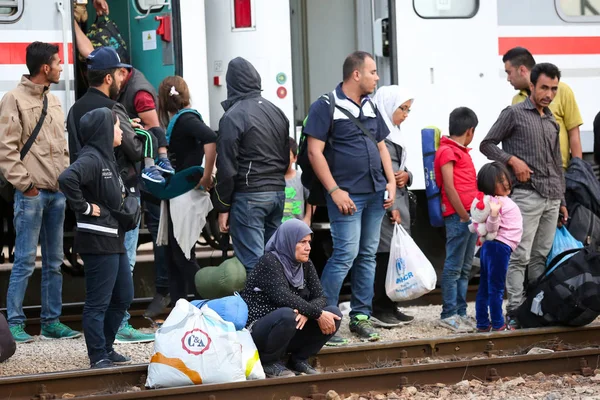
[(253, 155)]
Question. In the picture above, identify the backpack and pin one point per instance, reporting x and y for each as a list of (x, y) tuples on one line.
[(568, 293), (105, 33), (174, 120), (309, 179), (584, 225)]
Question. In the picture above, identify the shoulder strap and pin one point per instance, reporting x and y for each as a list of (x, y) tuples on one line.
[(36, 130), (358, 123), (174, 119)]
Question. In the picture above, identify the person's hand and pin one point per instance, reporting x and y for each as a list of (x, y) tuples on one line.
[(95, 210), (206, 182), (495, 206), (224, 222), (32, 192), (101, 7), (395, 216), (344, 203), (391, 189), (401, 178), (327, 322), (521, 169), (300, 319), (563, 216), (136, 123)]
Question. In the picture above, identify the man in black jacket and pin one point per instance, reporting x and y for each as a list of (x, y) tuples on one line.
[(105, 78), (253, 155)]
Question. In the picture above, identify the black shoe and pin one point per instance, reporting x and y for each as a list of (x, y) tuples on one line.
[(362, 326), (157, 305), (336, 340), (118, 359), (403, 318), (277, 369), (302, 367), (384, 319), (104, 363)]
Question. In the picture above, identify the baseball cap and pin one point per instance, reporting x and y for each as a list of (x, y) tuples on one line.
[(105, 58)]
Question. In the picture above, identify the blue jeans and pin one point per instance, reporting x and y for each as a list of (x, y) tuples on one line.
[(355, 240), (460, 249), (494, 259), (253, 219), (108, 294), (131, 244), (37, 219)]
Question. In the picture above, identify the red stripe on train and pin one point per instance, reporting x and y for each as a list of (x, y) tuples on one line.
[(14, 53), (552, 45)]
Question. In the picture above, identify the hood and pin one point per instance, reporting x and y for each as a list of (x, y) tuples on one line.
[(243, 81), (97, 130)]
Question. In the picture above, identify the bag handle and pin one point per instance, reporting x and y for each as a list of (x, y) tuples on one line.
[(360, 125), (36, 130)]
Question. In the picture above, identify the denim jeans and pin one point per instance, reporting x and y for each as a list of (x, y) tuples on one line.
[(108, 294), (460, 250), (131, 244), (37, 219), (161, 279), (253, 219), (355, 240), (494, 258)]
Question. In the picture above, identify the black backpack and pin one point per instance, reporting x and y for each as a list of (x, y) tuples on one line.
[(568, 293), (105, 33), (583, 224)]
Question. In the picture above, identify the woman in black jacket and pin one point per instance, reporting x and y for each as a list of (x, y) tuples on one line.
[(287, 311), (93, 187)]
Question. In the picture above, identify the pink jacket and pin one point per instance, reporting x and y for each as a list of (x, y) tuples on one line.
[(508, 224)]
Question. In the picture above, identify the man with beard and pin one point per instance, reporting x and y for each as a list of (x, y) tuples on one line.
[(33, 153), (529, 135), (105, 78)]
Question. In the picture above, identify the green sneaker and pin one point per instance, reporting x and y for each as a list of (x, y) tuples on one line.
[(362, 326), (19, 334), (58, 330), (128, 334)]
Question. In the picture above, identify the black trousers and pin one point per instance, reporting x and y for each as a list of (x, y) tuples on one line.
[(7, 343), (275, 335), (181, 270), (381, 302)]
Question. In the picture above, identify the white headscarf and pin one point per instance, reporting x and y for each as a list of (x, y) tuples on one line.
[(388, 99)]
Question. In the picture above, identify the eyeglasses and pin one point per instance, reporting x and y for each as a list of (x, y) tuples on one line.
[(405, 109)]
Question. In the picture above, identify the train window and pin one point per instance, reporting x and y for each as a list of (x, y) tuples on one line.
[(10, 10), (578, 10), (153, 5), (446, 8)]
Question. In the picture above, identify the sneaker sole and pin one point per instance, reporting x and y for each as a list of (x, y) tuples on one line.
[(453, 329), (166, 171), (24, 341), (122, 362), (133, 341), (60, 338), (148, 178), (382, 324)]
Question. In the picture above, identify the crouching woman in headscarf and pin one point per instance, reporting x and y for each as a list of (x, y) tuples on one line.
[(287, 308), (94, 189)]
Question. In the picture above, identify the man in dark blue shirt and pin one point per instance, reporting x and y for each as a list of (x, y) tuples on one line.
[(356, 170)]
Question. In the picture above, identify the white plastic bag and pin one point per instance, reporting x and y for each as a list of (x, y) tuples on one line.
[(195, 346), (410, 274), (250, 359)]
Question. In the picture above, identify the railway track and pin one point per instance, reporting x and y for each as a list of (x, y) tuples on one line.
[(356, 368)]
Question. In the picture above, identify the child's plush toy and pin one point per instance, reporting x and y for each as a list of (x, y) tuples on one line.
[(480, 211)]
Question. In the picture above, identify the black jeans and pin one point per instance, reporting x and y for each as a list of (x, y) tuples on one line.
[(181, 270), (381, 302), (108, 294), (7, 343), (161, 274), (275, 335)]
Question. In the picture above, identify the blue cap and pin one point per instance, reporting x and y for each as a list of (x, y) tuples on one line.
[(105, 58)]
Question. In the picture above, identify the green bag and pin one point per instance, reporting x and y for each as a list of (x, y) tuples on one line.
[(223, 280)]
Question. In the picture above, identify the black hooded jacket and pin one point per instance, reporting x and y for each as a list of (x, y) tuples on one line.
[(94, 179), (252, 143)]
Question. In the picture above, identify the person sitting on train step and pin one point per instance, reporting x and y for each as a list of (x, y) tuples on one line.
[(39, 205), (94, 189), (287, 312), (253, 155), (190, 141), (530, 141), (518, 63), (7, 342), (455, 175), (394, 103), (296, 195), (105, 79), (356, 170)]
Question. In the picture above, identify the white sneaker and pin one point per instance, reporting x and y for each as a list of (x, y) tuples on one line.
[(468, 322), (454, 323)]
